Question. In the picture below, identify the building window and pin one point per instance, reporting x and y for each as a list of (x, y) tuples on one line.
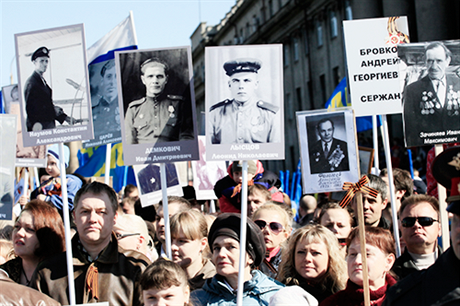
[(270, 8), (241, 35), (255, 23), (280, 4), (322, 81), (319, 34), (286, 54), (306, 42), (336, 76), (262, 13), (289, 107), (296, 48), (333, 21), (298, 92), (348, 12), (235, 40)]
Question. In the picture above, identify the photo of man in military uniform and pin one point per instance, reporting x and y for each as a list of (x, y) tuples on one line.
[(105, 107), (243, 118), (159, 116), (41, 111)]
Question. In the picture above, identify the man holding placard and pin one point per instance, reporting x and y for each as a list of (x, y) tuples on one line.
[(103, 271), (244, 118)]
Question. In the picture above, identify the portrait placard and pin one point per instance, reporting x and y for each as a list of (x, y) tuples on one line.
[(25, 156), (149, 181), (206, 173), (328, 149), (244, 102), (157, 105), (53, 85), (372, 61), (366, 157), (104, 104), (431, 92), (8, 125)]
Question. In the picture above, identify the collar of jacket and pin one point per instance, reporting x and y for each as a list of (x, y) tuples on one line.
[(108, 255)]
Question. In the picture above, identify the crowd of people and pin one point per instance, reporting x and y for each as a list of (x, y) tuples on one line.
[(312, 256)]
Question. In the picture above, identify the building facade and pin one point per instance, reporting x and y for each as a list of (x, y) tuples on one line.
[(313, 47)]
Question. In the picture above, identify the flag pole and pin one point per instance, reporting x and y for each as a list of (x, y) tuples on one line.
[(131, 18), (164, 191), (376, 145), (108, 157), (244, 217)]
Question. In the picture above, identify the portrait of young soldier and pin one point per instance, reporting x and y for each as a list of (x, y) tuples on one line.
[(244, 118), (328, 154), (159, 116)]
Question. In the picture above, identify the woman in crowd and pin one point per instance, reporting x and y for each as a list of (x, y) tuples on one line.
[(37, 235), (339, 220), (189, 238), (224, 241), (380, 256), (313, 261), (165, 283), (275, 224), (132, 234)]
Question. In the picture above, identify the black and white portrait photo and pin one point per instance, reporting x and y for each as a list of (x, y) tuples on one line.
[(328, 149), (104, 103), (158, 107), (328, 153), (244, 98), (25, 156), (148, 178), (7, 157), (53, 84), (431, 96)]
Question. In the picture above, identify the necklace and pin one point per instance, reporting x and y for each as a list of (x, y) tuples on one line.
[(25, 276)]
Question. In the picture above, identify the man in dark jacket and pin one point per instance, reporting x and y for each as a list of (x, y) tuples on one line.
[(440, 283), (103, 271)]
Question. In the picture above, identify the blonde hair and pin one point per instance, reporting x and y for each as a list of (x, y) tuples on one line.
[(6, 250), (336, 272), (287, 220)]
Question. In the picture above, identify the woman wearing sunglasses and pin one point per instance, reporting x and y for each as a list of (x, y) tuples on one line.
[(380, 256), (274, 221), (420, 229), (314, 262)]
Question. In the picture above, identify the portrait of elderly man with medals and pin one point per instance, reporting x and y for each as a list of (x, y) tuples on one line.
[(243, 118), (159, 116), (431, 105)]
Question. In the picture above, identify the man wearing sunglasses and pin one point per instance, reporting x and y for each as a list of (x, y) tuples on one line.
[(440, 283), (420, 230)]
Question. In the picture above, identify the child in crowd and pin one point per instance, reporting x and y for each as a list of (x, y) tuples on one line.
[(165, 283), (228, 189)]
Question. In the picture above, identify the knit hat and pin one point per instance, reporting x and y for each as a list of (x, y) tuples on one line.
[(228, 224), (53, 150)]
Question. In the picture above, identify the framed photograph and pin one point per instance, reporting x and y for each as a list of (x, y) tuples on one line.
[(244, 102), (206, 174), (328, 149), (53, 85), (157, 105), (431, 92), (25, 156), (366, 158), (8, 125), (148, 180), (104, 103)]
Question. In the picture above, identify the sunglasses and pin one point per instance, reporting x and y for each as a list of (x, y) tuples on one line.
[(423, 221), (275, 227), (121, 236)]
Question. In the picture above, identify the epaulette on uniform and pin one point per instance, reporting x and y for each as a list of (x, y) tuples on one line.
[(137, 102), (175, 97), (267, 106), (219, 104)]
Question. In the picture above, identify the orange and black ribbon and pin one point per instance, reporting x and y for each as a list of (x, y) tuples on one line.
[(91, 281), (237, 188), (354, 188)]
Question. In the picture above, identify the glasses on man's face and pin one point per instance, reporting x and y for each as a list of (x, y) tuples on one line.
[(423, 221), (275, 227), (121, 236)]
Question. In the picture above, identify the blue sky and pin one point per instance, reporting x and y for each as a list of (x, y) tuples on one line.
[(159, 23)]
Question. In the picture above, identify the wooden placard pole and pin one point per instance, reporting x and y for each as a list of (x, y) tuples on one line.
[(442, 195), (362, 243), (108, 156), (244, 217), (164, 191), (68, 235)]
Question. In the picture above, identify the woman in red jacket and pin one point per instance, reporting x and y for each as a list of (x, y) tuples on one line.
[(380, 254)]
